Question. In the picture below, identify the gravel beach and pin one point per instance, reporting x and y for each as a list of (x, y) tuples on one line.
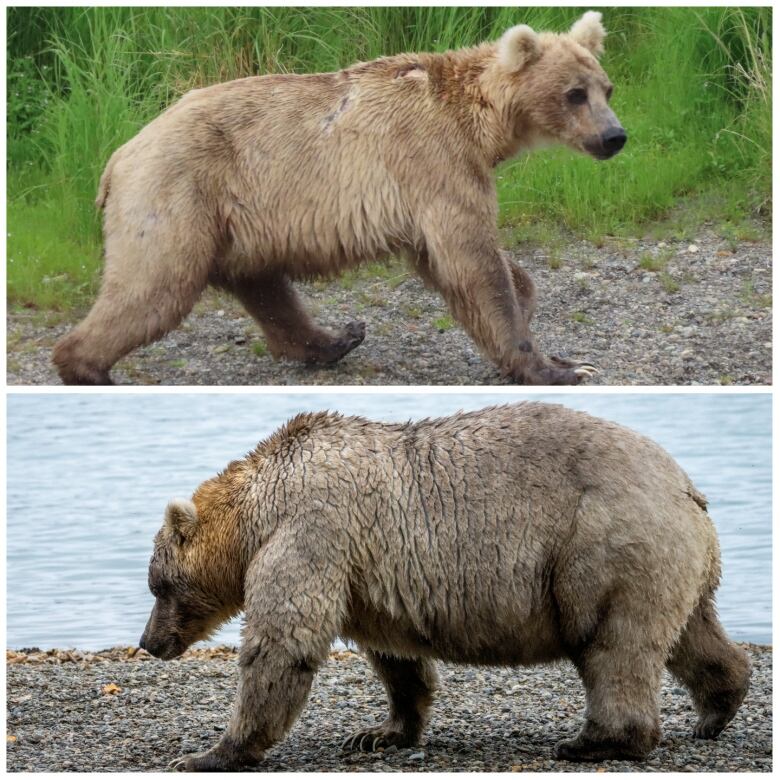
[(643, 312), (122, 710)]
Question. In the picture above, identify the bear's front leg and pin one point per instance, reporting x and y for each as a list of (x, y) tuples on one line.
[(494, 301), (271, 693), (295, 594)]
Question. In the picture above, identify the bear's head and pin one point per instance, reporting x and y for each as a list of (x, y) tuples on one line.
[(195, 576), (552, 88)]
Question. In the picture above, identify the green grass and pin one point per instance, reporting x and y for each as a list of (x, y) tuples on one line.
[(581, 317), (669, 283), (444, 323), (752, 298), (50, 262), (657, 262), (692, 87)]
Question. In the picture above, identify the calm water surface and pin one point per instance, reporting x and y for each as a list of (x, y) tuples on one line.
[(89, 477)]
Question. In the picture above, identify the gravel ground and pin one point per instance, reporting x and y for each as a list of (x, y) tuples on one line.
[(71, 711), (643, 312)]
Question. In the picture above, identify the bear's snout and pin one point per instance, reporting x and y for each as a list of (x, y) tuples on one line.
[(608, 144), (165, 650), (159, 642), (613, 140)]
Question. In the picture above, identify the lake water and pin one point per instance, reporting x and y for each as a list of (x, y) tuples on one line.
[(90, 475)]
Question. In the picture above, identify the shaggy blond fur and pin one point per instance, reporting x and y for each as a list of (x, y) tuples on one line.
[(254, 183), (515, 535)]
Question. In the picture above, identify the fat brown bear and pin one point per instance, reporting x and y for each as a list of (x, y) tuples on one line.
[(258, 182), (515, 535)]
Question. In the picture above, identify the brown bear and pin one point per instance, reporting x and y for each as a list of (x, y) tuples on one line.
[(515, 535), (261, 181)]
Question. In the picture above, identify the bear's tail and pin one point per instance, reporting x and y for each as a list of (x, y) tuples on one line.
[(105, 184), (712, 570)]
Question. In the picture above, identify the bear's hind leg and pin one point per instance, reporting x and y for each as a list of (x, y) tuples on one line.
[(287, 327), (149, 287), (621, 673), (116, 325), (712, 668), (410, 685)]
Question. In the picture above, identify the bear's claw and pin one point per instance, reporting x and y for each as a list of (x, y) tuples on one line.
[(580, 371), (369, 740), (196, 762), (353, 334), (586, 370), (710, 726), (553, 370), (218, 759)]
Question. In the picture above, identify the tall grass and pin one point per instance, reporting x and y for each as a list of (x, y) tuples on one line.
[(693, 88)]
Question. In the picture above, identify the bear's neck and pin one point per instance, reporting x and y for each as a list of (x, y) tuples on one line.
[(253, 520), (465, 83)]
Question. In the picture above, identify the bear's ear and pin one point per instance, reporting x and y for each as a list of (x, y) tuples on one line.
[(518, 47), (181, 519), (589, 32)]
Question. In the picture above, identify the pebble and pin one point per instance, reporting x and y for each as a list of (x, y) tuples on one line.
[(483, 719)]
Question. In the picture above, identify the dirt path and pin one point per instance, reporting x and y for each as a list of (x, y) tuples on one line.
[(643, 312), (79, 712)]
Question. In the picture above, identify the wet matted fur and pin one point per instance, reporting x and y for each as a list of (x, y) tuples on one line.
[(515, 535)]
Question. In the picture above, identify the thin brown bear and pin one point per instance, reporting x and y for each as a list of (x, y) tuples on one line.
[(255, 183)]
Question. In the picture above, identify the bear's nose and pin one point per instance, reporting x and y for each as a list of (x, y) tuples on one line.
[(614, 140)]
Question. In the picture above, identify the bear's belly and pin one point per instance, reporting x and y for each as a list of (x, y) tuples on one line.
[(482, 641)]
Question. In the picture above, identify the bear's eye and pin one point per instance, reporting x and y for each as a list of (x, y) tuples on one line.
[(577, 96), (609, 93)]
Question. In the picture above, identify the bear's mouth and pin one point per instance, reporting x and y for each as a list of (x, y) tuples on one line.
[(166, 650), (170, 652)]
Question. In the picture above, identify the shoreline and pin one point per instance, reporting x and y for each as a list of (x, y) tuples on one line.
[(122, 710), (58, 655)]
